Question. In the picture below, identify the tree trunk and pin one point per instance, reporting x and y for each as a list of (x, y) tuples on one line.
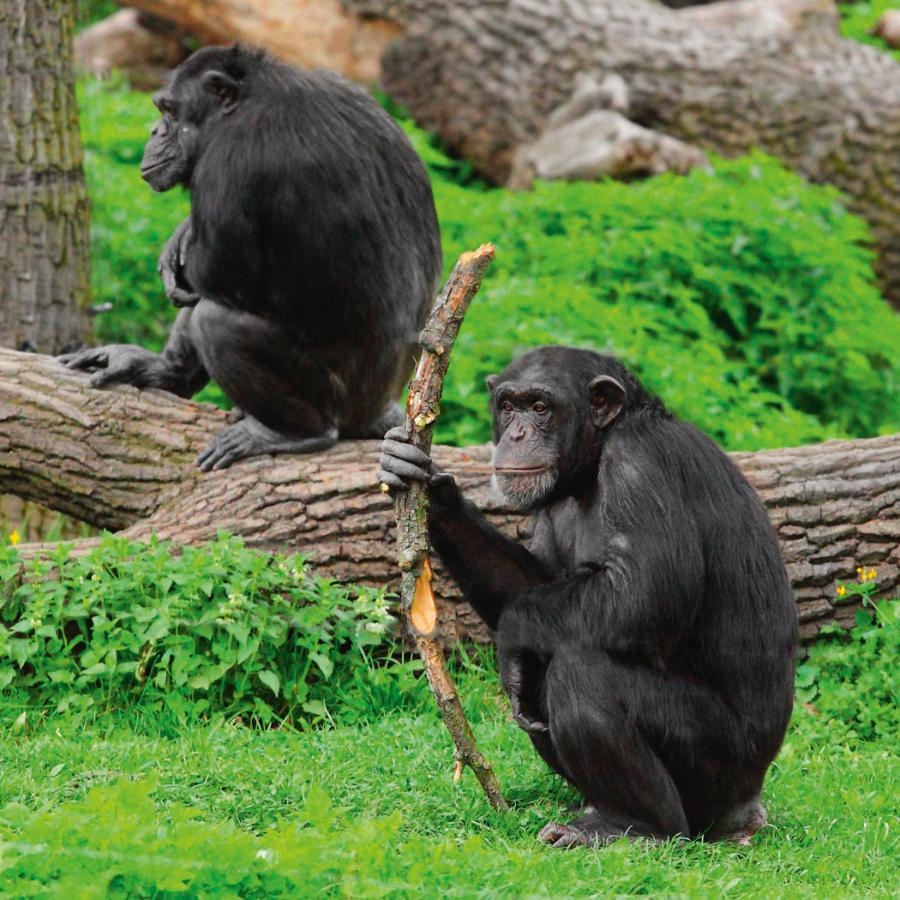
[(44, 236), (122, 459), (487, 75)]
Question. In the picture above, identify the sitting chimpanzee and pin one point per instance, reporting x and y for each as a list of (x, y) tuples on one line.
[(646, 637), (307, 265)]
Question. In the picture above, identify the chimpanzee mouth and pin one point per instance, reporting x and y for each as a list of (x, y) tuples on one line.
[(156, 166), (524, 488)]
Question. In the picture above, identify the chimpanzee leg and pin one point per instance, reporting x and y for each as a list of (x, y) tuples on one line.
[(650, 753), (285, 393)]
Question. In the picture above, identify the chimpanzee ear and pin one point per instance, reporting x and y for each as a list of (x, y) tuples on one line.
[(491, 382), (223, 88), (607, 397)]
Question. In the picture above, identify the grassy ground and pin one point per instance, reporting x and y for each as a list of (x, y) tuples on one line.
[(139, 804)]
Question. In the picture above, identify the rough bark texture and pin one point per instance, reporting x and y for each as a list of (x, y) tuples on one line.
[(313, 33), (122, 459), (487, 75), (44, 237)]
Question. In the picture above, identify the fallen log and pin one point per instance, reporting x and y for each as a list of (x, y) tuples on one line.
[(122, 459), (311, 33), (488, 76)]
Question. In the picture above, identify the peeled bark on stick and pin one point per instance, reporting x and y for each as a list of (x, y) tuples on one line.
[(121, 458), (410, 508)]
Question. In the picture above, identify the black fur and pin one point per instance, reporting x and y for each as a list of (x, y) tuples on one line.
[(309, 260), (647, 635)]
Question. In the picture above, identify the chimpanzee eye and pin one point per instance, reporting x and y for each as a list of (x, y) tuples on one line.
[(506, 406), (540, 407)]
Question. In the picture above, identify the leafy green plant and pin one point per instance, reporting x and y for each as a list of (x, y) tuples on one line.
[(744, 297), (858, 20), (216, 628), (849, 681)]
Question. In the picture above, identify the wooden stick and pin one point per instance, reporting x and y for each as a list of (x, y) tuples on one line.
[(410, 508)]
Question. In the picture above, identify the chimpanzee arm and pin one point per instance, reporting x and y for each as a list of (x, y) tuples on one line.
[(639, 600), (183, 369), (490, 568), (171, 266), (177, 369)]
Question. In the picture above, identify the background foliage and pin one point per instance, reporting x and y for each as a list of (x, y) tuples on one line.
[(744, 297), (218, 627), (858, 19)]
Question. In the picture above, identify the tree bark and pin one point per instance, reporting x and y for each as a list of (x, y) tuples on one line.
[(44, 226), (44, 231), (488, 74), (123, 459), (311, 33)]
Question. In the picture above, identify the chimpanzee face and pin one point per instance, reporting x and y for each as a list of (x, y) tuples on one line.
[(527, 454), (549, 422), (190, 104)]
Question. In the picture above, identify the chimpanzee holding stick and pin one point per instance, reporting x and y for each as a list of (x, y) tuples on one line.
[(647, 634)]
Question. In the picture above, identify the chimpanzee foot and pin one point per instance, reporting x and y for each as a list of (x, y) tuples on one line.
[(565, 837), (594, 829), (739, 826), (249, 437), (529, 725)]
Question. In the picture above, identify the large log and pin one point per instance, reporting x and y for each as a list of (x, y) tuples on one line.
[(123, 459), (487, 75), (311, 33)]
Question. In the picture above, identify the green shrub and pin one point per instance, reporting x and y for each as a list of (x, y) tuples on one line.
[(216, 628), (744, 297), (849, 684)]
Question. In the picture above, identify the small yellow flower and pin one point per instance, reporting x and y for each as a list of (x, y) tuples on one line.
[(859, 570), (872, 574), (841, 590), (14, 538)]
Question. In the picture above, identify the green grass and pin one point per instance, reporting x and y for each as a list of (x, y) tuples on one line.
[(136, 805)]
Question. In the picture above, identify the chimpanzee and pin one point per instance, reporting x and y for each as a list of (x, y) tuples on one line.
[(646, 637), (307, 265)]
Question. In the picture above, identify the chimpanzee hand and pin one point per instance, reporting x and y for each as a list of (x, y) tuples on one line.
[(171, 267), (522, 681), (118, 364), (401, 463)]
